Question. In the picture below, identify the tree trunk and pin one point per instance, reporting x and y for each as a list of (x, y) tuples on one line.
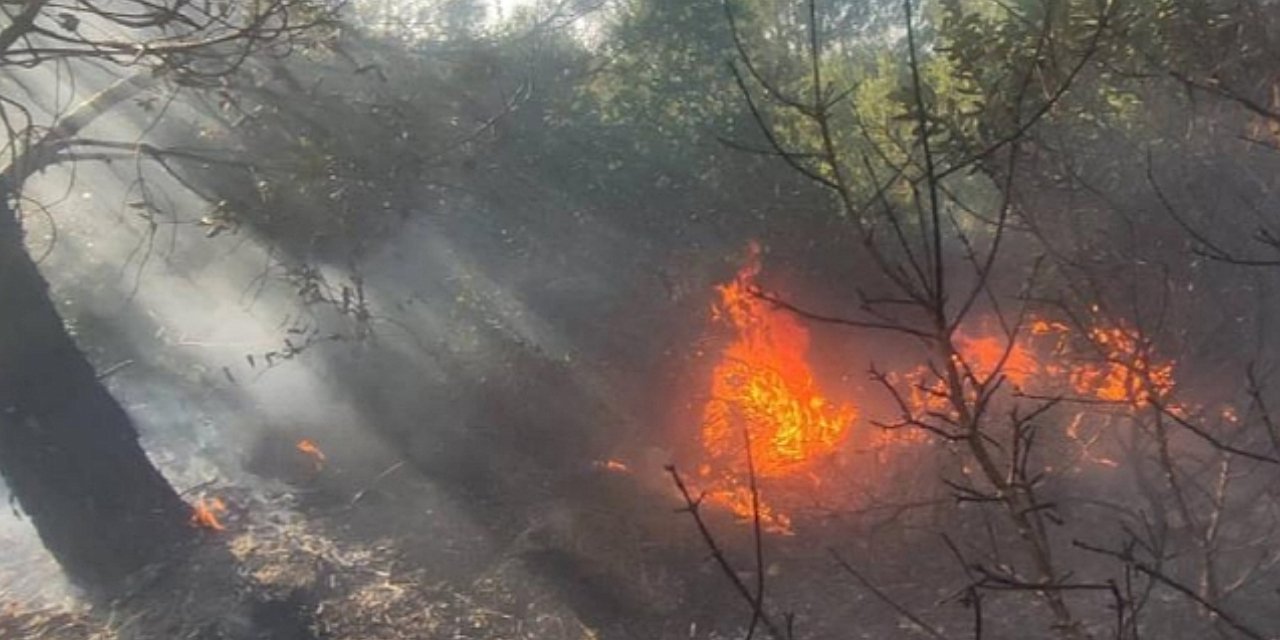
[(68, 450)]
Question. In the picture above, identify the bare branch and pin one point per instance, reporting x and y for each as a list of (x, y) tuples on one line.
[(693, 508), (880, 595), (1163, 578)]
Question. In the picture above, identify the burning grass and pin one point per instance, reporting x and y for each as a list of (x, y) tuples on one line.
[(766, 414), (207, 513)]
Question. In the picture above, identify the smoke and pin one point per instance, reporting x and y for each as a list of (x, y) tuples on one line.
[(496, 335)]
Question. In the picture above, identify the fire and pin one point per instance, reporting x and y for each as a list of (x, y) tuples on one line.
[(766, 413), (984, 355), (311, 450), (1123, 369), (1105, 364), (1129, 373), (765, 407), (616, 466), (205, 512)]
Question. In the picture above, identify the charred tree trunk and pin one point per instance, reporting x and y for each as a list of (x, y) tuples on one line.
[(68, 451)]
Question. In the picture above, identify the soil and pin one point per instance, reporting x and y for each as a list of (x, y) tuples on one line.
[(324, 553)]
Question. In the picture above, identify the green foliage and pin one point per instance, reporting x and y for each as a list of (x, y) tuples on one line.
[(666, 82)]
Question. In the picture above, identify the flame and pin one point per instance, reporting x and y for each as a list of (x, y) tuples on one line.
[(988, 355), (616, 466), (1107, 362), (764, 402), (1122, 367), (205, 512), (1129, 373), (311, 450), (767, 413)]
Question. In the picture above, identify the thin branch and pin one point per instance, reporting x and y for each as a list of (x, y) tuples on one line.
[(1163, 578), (902, 610), (829, 319), (693, 508), (931, 176), (1208, 437)]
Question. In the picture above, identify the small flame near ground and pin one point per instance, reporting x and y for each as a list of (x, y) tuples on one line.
[(206, 511), (614, 466), (310, 449), (765, 410)]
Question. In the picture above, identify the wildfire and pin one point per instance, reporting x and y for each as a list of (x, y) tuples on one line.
[(765, 408), (1117, 366), (205, 512), (1129, 374), (767, 414), (1122, 367), (1106, 364), (985, 355), (311, 450)]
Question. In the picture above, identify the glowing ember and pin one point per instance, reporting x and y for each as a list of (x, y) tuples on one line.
[(205, 512), (986, 355), (1106, 364), (616, 466), (1129, 374), (309, 448), (1127, 371), (763, 392)]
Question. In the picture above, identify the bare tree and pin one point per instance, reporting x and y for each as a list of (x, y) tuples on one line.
[(938, 274)]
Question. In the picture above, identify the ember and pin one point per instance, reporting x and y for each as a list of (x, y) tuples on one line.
[(309, 448), (205, 514), (1124, 370), (616, 466), (765, 410), (985, 355)]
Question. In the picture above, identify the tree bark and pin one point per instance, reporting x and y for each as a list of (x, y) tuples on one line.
[(68, 451)]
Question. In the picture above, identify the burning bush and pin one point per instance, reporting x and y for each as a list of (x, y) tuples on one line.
[(766, 415)]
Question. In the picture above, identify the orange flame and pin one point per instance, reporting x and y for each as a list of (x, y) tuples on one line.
[(987, 355), (766, 412), (1129, 373), (764, 402), (1122, 369), (205, 512), (309, 448), (1106, 362), (616, 466)]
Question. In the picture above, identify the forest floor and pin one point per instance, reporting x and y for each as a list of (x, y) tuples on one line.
[(366, 569), (385, 556), (349, 578), (391, 555)]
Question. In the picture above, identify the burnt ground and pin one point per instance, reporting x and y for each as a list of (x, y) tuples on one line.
[(479, 511), (393, 556), (341, 554)]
